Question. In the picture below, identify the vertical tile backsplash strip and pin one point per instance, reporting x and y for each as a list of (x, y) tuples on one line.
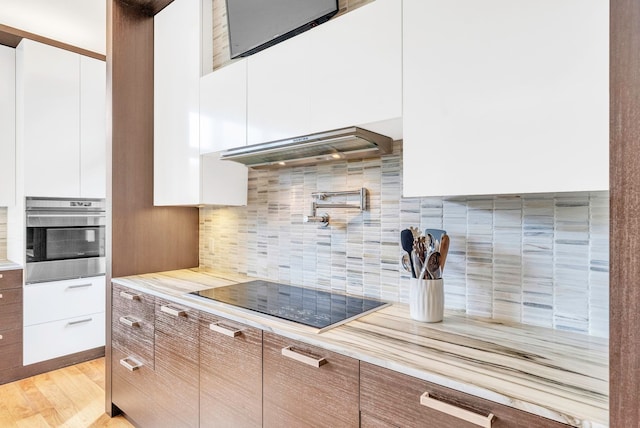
[(3, 233), (538, 259)]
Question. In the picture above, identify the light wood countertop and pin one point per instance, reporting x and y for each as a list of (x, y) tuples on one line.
[(556, 374)]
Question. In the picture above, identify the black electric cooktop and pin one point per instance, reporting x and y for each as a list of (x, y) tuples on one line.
[(311, 307)]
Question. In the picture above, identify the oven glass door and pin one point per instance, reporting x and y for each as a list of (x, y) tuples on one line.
[(63, 243)]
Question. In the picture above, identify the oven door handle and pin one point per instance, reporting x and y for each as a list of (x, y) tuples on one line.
[(66, 215)]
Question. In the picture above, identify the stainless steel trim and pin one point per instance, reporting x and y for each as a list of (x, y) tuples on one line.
[(129, 296), (64, 269), (309, 360), (130, 321), (345, 143), (225, 329), (80, 321), (73, 287), (176, 312), (131, 367)]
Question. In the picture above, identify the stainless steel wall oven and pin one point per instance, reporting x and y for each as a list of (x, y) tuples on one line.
[(65, 238)]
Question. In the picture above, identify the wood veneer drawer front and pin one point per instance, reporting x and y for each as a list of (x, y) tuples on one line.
[(132, 324), (230, 373), (11, 309), (395, 398), (132, 369), (11, 348), (10, 279), (299, 394), (126, 301), (177, 360), (140, 407)]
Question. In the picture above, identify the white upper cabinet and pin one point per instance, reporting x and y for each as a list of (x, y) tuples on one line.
[(7, 126), (60, 122), (345, 72), (223, 108), (356, 68), (181, 175), (48, 119), (93, 153), (505, 96), (278, 90), (176, 104)]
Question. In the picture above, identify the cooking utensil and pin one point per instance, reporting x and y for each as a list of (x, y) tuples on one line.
[(433, 265), (444, 250), (406, 241), (417, 264), (405, 261), (437, 236)]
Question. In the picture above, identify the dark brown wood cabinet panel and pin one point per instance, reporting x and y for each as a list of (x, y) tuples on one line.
[(10, 324), (297, 394), (394, 398), (10, 279), (230, 373), (133, 324), (10, 348), (10, 309), (177, 360)]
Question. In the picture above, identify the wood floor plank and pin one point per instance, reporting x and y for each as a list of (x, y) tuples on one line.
[(71, 397)]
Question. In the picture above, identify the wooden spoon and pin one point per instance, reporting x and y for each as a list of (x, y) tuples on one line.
[(444, 250)]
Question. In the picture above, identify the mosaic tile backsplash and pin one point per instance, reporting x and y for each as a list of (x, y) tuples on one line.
[(539, 259)]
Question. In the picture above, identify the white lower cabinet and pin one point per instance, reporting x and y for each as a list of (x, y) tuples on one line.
[(63, 317), (59, 338)]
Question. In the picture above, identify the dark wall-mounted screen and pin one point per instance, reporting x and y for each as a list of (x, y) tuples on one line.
[(257, 24)]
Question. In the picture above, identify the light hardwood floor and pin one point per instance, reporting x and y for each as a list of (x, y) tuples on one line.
[(71, 397)]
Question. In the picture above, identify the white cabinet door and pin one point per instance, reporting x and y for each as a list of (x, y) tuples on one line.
[(7, 126), (176, 104), (63, 337), (48, 119), (223, 182), (56, 300), (93, 138), (223, 108), (356, 68), (278, 91), (505, 96)]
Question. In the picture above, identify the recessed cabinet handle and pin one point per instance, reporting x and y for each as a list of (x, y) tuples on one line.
[(306, 359), (456, 412), (176, 312), (80, 321), (71, 287), (130, 321), (130, 364), (224, 329), (129, 296)]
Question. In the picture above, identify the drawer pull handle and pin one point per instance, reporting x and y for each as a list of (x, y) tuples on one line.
[(176, 312), (129, 296), (457, 412), (130, 321), (71, 287), (1, 296), (306, 359), (130, 364), (1, 276), (225, 329), (80, 321), (1, 337)]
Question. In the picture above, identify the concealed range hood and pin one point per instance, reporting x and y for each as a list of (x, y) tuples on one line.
[(345, 143)]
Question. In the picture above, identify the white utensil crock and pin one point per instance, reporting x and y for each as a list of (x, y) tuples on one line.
[(426, 300)]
